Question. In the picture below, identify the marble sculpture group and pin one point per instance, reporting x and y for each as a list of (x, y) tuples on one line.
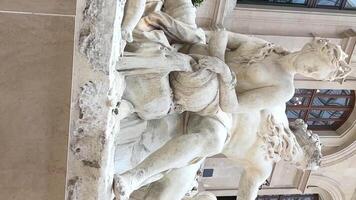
[(191, 94)]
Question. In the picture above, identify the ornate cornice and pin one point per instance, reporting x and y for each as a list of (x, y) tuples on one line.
[(339, 156), (330, 188)]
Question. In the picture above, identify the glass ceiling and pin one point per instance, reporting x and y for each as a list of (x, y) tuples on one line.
[(321, 109), (351, 4)]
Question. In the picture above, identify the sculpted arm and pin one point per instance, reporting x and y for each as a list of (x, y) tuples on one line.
[(262, 98), (217, 44), (134, 10), (219, 41), (235, 40)]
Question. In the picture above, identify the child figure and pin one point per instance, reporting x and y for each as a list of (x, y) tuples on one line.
[(175, 17)]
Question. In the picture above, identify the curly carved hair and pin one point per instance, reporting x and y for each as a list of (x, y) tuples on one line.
[(335, 54), (327, 50), (309, 142), (281, 142)]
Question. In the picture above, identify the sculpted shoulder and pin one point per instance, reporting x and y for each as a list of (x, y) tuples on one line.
[(261, 74)]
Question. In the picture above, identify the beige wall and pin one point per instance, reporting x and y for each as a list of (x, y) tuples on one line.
[(35, 79), (343, 175)]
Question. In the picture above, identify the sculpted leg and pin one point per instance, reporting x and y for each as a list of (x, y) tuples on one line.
[(205, 137), (203, 196), (251, 179), (174, 185)]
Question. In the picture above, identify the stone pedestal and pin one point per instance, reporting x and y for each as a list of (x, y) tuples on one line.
[(96, 91)]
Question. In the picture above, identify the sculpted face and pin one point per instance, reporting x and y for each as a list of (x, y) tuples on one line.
[(311, 64), (322, 60)]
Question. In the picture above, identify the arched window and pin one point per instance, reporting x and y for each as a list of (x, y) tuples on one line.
[(321, 109)]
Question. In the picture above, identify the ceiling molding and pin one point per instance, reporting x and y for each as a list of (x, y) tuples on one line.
[(323, 194), (348, 46), (339, 156), (329, 185), (315, 84), (345, 136), (266, 191), (303, 181), (261, 20)]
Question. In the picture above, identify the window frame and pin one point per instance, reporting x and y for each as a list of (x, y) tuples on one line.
[(309, 107), (308, 4)]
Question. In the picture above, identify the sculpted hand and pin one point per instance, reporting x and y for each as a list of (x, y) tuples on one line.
[(218, 66), (214, 64)]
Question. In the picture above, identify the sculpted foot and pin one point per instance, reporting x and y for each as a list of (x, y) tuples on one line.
[(127, 35), (121, 188), (125, 109)]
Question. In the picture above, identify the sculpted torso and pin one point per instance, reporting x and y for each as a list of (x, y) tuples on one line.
[(266, 73), (259, 75), (262, 75)]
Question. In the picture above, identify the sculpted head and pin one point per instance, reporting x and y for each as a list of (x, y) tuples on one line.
[(322, 60), (310, 157)]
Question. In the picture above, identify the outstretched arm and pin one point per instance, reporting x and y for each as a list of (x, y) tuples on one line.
[(263, 98), (219, 41), (217, 44), (235, 40)]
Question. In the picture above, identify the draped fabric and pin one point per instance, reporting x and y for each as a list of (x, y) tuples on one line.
[(200, 90)]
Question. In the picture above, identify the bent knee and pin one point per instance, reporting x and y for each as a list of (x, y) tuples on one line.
[(212, 134), (214, 142)]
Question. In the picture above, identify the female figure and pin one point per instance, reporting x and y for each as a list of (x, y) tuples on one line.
[(265, 76)]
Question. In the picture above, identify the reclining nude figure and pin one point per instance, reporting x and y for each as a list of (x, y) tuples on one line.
[(244, 134)]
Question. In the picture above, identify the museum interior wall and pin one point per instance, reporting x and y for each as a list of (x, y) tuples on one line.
[(36, 39)]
